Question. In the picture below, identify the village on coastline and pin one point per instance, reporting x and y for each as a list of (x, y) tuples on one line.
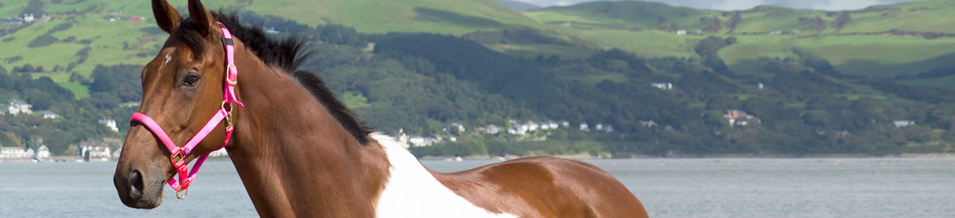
[(37, 151), (514, 130)]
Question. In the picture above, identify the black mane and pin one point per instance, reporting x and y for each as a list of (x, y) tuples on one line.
[(286, 53)]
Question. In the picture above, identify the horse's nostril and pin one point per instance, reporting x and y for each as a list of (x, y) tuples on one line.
[(136, 184)]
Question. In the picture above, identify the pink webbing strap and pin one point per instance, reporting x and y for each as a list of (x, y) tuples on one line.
[(229, 96), (232, 73)]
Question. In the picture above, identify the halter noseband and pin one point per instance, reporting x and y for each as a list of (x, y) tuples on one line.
[(224, 113)]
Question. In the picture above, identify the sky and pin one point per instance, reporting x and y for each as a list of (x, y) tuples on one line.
[(830, 5)]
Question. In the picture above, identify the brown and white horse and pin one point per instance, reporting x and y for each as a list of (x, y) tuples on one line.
[(301, 153)]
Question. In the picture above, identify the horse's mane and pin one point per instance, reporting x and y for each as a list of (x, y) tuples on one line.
[(285, 53)]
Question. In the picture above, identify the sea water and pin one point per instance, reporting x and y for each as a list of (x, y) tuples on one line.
[(868, 187)]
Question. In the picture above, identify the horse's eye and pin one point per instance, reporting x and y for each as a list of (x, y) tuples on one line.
[(190, 80)]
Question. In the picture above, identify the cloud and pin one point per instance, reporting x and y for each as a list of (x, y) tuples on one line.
[(563, 3)]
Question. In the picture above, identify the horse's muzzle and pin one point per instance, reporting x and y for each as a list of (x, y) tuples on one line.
[(136, 190)]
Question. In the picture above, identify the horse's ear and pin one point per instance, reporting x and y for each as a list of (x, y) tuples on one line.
[(202, 17), (166, 16)]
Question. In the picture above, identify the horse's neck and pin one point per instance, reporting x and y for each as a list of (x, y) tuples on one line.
[(293, 156)]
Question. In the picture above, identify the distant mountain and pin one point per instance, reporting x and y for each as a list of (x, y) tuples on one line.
[(517, 5)]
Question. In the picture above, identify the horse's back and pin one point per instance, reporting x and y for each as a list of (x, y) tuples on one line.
[(545, 187)]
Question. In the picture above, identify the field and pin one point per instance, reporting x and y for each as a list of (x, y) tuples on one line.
[(862, 47)]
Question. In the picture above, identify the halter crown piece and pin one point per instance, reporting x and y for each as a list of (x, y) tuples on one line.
[(178, 154)]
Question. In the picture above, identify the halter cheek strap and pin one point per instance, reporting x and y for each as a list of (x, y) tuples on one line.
[(178, 154)]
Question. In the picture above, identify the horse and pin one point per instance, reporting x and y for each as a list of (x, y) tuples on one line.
[(300, 152)]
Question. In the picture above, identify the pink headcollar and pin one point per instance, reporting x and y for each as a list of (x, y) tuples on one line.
[(224, 113)]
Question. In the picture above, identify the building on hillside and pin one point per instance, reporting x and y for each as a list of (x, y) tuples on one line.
[(109, 123), (551, 124), (740, 118), (135, 18), (680, 32), (648, 123), (419, 141), (584, 127), (455, 128), (270, 30), (47, 114), (903, 123), (17, 107), (491, 129), (532, 126), (664, 86)]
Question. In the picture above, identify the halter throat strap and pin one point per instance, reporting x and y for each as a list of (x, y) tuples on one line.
[(178, 154)]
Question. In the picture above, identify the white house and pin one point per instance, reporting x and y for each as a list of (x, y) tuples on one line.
[(491, 129), (903, 123), (649, 123), (552, 124), (42, 153), (532, 126), (517, 129), (95, 153), (109, 123), (664, 86), (584, 127), (17, 107), (600, 126), (47, 114), (28, 18), (680, 32), (419, 141)]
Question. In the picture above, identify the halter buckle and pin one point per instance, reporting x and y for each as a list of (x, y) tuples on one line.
[(229, 74), (180, 154)]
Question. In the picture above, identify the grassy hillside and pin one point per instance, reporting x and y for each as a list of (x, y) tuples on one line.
[(123, 41), (879, 41)]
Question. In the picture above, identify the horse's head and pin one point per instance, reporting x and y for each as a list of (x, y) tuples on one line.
[(182, 90)]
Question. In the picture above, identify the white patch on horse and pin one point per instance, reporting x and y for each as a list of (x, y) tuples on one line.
[(166, 61), (411, 191)]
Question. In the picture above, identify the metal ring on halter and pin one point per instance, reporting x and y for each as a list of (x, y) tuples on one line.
[(228, 115), (183, 195)]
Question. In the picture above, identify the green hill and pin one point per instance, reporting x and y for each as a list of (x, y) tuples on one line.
[(86, 25), (878, 42)]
